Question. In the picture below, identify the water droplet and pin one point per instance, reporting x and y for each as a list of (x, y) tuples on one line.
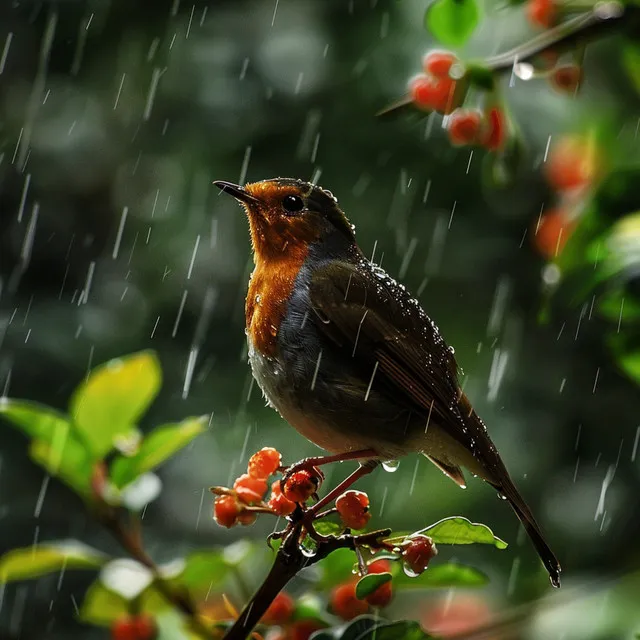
[(390, 465), (502, 496), (409, 572)]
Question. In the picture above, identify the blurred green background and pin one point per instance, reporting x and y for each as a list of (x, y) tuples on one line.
[(115, 117)]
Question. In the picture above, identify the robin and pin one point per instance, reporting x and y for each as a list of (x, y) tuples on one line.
[(346, 355)]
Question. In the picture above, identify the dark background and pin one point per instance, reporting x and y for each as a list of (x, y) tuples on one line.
[(140, 105)]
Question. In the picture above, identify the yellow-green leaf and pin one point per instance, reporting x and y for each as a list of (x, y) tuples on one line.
[(109, 403), (157, 447), (35, 420), (458, 530), (33, 562), (66, 458)]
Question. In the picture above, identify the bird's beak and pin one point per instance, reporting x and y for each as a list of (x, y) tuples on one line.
[(235, 190)]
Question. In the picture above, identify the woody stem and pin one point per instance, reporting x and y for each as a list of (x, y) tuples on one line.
[(289, 561)]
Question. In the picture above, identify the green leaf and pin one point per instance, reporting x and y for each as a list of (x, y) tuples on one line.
[(626, 353), (405, 629), (459, 530), (617, 307), (65, 458), (110, 402), (33, 562), (157, 447), (631, 62), (443, 576), (452, 21), (369, 583), (336, 568), (204, 570), (103, 607), (35, 420), (327, 528), (370, 628)]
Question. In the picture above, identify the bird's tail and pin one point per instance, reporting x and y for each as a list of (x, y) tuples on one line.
[(509, 491)]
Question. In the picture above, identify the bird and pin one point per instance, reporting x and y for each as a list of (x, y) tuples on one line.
[(347, 356)]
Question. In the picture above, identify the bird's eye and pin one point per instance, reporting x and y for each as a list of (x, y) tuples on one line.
[(292, 204)]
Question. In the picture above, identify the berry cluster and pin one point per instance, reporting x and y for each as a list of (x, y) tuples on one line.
[(138, 627), (436, 90), (242, 503), (571, 169)]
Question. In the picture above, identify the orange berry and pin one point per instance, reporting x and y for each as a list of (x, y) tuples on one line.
[(281, 506), (439, 63), (226, 511), (381, 597), (145, 627), (567, 78), (280, 610), (418, 553), (571, 163), (124, 629), (541, 13), (494, 136), (250, 490), (552, 233), (432, 94), (300, 486), (464, 126), (353, 509), (344, 602), (247, 518), (303, 629), (263, 463), (379, 566)]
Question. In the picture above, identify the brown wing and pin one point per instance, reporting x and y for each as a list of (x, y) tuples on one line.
[(371, 316)]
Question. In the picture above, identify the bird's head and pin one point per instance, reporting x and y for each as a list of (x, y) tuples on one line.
[(287, 215)]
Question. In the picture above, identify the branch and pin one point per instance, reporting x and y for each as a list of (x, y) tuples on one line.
[(586, 27), (289, 561)]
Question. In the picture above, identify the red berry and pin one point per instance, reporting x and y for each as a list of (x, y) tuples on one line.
[(301, 485), (571, 163), (280, 610), (124, 629), (344, 602), (281, 506), (263, 463), (353, 509), (226, 511), (250, 490), (381, 597), (541, 13), (464, 126), (552, 232), (567, 78), (145, 627), (379, 566), (439, 63), (303, 629), (247, 518), (432, 94), (417, 554), (494, 136)]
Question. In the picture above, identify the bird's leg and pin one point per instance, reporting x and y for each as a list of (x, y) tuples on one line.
[(318, 461), (363, 470)]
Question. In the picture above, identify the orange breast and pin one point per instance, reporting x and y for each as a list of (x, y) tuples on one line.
[(270, 287)]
